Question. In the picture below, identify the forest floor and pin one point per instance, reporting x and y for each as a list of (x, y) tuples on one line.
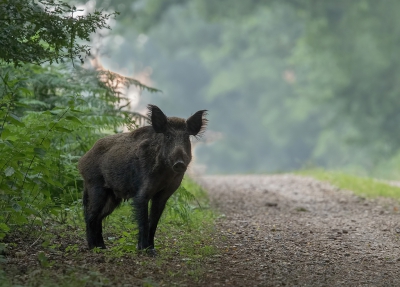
[(296, 231), (272, 230)]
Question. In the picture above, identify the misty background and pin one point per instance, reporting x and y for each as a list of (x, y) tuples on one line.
[(288, 84)]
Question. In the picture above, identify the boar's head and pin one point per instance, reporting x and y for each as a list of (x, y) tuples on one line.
[(174, 136)]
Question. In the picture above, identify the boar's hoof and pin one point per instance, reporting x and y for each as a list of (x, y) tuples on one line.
[(99, 247), (151, 252)]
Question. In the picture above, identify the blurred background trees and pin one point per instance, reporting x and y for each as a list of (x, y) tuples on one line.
[(288, 84)]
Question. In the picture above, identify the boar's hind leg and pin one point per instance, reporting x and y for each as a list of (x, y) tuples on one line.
[(100, 203)]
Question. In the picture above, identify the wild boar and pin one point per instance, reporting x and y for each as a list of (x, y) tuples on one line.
[(147, 164)]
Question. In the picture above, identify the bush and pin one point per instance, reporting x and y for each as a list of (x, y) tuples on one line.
[(47, 122)]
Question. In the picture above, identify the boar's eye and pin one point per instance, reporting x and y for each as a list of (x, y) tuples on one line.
[(167, 137)]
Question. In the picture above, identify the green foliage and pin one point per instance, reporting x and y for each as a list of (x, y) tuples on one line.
[(47, 122), (184, 202), (46, 31), (43, 260), (51, 115), (4, 282), (362, 186)]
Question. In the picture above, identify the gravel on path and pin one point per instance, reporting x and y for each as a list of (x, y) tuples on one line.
[(289, 230)]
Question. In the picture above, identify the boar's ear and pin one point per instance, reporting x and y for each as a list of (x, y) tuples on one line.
[(157, 119), (197, 123)]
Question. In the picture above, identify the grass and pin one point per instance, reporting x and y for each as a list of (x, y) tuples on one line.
[(56, 254), (363, 186)]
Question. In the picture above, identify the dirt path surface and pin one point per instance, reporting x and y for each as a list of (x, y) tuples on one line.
[(295, 231)]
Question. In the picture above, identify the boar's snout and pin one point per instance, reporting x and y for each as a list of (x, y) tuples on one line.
[(179, 166)]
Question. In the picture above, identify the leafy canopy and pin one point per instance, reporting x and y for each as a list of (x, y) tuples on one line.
[(46, 31)]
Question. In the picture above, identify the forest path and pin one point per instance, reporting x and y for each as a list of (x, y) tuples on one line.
[(295, 231)]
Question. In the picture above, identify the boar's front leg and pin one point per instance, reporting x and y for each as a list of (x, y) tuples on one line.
[(141, 206), (157, 207), (148, 225)]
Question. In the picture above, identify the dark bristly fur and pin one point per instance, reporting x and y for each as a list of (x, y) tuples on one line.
[(146, 164)]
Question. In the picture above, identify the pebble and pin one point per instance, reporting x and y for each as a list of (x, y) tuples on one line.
[(271, 204)]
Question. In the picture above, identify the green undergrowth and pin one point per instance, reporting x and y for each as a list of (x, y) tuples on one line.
[(363, 186), (56, 254), (184, 228)]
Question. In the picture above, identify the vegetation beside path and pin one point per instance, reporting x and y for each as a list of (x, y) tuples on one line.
[(56, 254), (362, 186)]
